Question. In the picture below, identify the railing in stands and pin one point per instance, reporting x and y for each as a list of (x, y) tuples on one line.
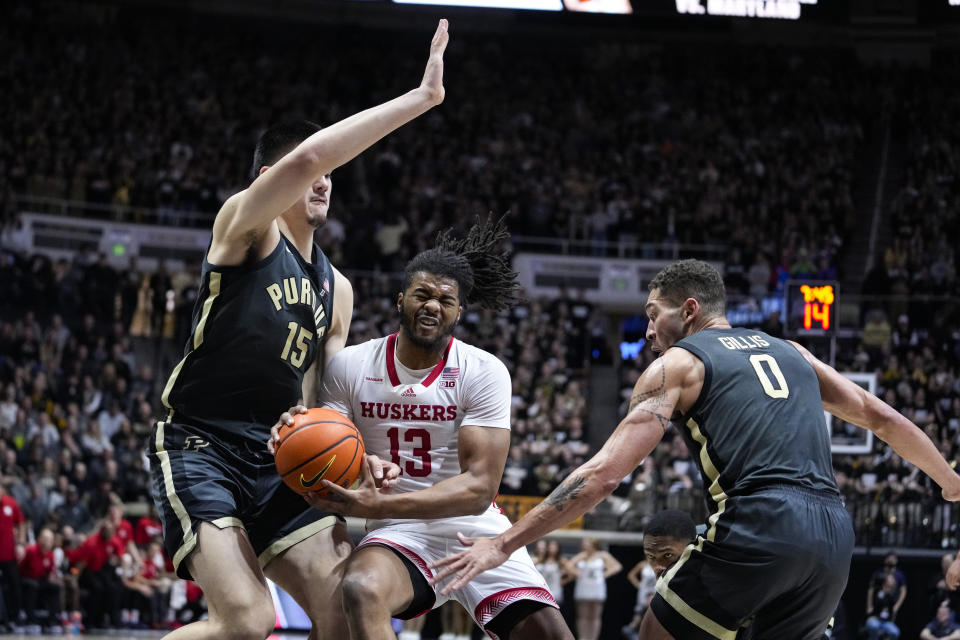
[(166, 216), (924, 523), (619, 249)]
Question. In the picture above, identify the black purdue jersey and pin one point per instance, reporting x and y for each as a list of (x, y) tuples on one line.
[(256, 330), (759, 418)]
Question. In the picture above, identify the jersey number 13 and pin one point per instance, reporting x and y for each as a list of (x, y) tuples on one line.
[(422, 450)]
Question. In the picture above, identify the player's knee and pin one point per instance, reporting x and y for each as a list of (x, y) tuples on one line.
[(358, 589), (529, 619), (255, 622)]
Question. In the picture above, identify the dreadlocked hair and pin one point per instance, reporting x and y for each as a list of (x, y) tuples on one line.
[(477, 263)]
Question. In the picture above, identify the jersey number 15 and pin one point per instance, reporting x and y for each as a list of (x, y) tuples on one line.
[(298, 355)]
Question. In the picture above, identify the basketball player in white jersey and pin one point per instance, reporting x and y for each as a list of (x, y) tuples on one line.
[(440, 409)]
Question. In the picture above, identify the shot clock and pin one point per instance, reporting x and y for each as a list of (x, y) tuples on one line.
[(811, 307)]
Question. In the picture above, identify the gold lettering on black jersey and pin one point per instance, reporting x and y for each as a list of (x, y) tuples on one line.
[(299, 354), (290, 292)]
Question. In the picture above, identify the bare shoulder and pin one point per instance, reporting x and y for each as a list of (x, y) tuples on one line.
[(343, 288), (678, 375), (682, 367)]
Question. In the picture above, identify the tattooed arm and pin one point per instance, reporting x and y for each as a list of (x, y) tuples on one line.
[(668, 388)]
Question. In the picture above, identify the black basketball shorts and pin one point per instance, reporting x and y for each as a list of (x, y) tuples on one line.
[(197, 478), (776, 560)]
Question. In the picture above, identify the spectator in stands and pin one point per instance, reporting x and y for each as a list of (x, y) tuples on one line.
[(890, 562), (97, 559), (12, 533), (882, 610), (65, 545), (124, 531), (876, 332), (148, 527), (41, 586), (137, 595), (157, 575), (73, 513), (942, 627)]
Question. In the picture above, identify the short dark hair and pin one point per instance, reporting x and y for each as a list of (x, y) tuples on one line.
[(279, 140), (692, 279), (672, 523), (479, 264)]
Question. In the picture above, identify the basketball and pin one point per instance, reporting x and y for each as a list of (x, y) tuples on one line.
[(321, 444)]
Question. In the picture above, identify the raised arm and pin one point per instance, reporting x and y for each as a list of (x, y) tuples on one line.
[(250, 213), (853, 403), (669, 386)]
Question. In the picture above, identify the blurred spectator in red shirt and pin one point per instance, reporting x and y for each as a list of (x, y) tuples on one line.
[(41, 587), (124, 531), (148, 528), (12, 532), (98, 558)]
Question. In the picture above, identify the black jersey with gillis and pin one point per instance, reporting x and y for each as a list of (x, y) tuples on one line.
[(759, 418), (256, 330)]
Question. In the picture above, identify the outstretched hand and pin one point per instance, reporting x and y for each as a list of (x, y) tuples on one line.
[(364, 501), (483, 554), (433, 75)]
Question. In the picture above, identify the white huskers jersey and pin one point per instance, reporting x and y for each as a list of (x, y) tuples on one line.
[(413, 418)]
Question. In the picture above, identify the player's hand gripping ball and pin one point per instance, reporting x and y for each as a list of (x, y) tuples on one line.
[(321, 444)]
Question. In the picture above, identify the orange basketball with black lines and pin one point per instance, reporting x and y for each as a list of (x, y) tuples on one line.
[(321, 444)]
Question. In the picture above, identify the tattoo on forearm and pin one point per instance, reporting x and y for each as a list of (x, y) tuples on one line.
[(568, 490), (654, 401)]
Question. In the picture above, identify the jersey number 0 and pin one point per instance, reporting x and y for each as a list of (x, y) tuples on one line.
[(779, 391)]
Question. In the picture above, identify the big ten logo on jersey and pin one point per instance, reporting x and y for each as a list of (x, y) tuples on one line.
[(448, 378), (297, 290)]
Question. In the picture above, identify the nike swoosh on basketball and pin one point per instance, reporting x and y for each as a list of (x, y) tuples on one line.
[(306, 484)]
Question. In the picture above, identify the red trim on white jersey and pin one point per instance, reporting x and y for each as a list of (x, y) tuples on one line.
[(408, 554), (492, 605), (392, 366)]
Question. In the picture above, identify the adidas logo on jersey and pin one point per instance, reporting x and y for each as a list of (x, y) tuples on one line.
[(409, 393)]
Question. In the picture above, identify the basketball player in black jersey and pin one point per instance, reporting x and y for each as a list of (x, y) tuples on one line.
[(778, 541), (271, 312)]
